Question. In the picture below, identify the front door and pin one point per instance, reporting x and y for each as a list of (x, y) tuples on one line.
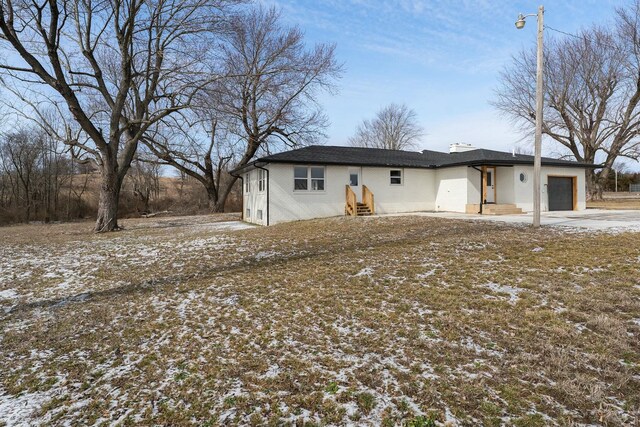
[(490, 193), (354, 182)]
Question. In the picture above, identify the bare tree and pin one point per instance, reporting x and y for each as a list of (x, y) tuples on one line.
[(202, 150), (119, 67), (33, 169), (144, 179), (395, 127), (268, 103), (592, 90)]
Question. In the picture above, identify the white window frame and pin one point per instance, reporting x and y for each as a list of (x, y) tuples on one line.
[(262, 180), (247, 183), (310, 180), (259, 214), (247, 213), (391, 177)]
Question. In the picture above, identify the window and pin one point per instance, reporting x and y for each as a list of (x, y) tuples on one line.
[(308, 178), (259, 214), (353, 179), (262, 179), (523, 177), (247, 183), (300, 178), (395, 177), (317, 179), (247, 214)]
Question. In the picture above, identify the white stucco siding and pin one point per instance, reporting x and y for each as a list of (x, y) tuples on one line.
[(289, 205), (254, 201), (474, 185), (416, 192), (452, 189), (523, 191), (505, 185)]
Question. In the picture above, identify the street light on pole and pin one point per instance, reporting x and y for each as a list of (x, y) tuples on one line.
[(539, 103)]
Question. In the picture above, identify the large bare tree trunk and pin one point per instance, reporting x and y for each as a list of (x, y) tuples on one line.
[(109, 196), (213, 199), (594, 189), (224, 195)]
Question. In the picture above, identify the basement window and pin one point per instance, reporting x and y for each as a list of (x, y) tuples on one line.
[(247, 214), (395, 176), (259, 214)]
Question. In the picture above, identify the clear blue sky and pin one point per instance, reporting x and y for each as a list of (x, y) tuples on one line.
[(440, 57)]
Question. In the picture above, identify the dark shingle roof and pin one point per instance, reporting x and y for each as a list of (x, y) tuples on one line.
[(337, 155), (497, 158)]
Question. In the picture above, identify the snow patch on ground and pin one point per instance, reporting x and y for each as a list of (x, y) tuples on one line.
[(367, 271), (230, 225), (512, 291), (16, 411), (9, 294)]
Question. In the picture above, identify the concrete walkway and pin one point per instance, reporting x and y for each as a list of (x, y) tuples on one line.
[(590, 219)]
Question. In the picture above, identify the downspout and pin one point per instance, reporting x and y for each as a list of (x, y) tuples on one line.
[(481, 195), (267, 170)]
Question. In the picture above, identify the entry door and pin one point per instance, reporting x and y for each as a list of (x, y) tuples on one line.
[(490, 195), (560, 190), (354, 182)]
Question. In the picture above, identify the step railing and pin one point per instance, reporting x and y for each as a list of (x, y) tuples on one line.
[(352, 202), (367, 199)]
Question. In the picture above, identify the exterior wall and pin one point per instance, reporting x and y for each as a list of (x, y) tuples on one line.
[(474, 187), (523, 191), (452, 189), (446, 189), (289, 205), (505, 185), (416, 193), (255, 200)]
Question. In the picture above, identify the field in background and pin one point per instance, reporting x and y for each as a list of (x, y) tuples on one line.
[(413, 320), (619, 200), (77, 199)]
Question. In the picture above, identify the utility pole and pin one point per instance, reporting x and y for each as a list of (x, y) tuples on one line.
[(537, 160)]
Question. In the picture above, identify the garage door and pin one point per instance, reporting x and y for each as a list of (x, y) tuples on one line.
[(560, 193)]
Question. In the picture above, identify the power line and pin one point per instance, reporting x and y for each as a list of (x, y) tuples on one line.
[(561, 32)]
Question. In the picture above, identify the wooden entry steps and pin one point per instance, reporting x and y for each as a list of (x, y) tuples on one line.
[(355, 208), (494, 209), (363, 210), (500, 209)]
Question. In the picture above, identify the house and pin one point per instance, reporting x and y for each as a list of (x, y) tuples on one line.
[(325, 181)]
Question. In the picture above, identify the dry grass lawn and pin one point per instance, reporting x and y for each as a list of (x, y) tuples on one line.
[(367, 321), (614, 204)]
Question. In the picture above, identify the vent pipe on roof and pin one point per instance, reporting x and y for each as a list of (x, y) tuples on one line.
[(461, 148)]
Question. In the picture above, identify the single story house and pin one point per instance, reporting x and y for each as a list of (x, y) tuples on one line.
[(325, 181)]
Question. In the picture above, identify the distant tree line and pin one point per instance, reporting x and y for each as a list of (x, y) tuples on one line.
[(40, 181)]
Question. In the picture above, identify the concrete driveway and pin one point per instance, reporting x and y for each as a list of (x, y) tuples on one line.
[(590, 219)]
